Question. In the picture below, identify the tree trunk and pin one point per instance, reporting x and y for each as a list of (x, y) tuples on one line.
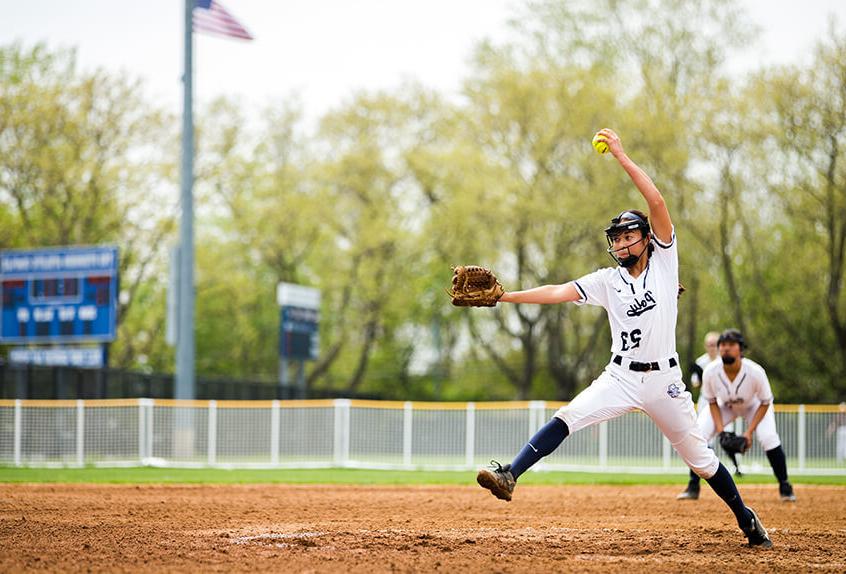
[(370, 330), (727, 192)]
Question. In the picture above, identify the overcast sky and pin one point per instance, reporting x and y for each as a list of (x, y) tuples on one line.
[(327, 49)]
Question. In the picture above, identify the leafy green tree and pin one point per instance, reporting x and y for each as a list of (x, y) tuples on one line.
[(807, 107), (81, 162), (372, 222)]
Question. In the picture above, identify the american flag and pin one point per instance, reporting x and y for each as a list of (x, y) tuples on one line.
[(211, 17)]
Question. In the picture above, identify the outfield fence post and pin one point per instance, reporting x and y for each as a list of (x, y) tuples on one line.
[(666, 451), (80, 432), (407, 419), (18, 428), (212, 433), (342, 431), (802, 436), (151, 407), (470, 435), (145, 430), (537, 410), (603, 444), (274, 432), (532, 425), (142, 433)]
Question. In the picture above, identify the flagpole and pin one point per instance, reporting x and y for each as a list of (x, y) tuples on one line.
[(184, 388)]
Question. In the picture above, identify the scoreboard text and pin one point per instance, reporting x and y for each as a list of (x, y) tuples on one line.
[(66, 294)]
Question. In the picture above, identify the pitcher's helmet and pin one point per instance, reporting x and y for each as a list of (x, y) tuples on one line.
[(627, 221)]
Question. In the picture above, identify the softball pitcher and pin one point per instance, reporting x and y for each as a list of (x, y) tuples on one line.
[(640, 295)]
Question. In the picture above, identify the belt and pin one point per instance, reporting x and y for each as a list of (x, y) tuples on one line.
[(644, 367)]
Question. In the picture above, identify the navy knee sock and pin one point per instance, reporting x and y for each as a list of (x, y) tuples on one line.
[(724, 486), (543, 443), (778, 462)]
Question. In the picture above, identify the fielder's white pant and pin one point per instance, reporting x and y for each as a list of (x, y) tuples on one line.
[(660, 394), (766, 433), (702, 406)]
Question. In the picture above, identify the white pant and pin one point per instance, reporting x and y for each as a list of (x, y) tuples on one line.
[(660, 394), (765, 433), (702, 405)]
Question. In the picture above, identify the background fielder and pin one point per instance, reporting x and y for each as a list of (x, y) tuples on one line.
[(736, 386), (703, 361), (709, 356), (696, 370)]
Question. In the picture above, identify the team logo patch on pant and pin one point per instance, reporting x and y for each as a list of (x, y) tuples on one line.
[(674, 390)]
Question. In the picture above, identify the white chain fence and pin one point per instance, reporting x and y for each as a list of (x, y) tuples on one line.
[(368, 434)]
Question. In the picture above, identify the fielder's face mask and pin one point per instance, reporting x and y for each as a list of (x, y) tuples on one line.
[(626, 221)]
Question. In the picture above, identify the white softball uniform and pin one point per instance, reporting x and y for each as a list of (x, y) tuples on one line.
[(643, 372), (739, 398), (702, 361), (702, 404)]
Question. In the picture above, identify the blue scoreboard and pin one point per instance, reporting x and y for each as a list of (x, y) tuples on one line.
[(299, 337), (59, 295), (299, 322)]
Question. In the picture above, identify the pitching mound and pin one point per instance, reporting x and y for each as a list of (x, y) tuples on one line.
[(424, 529)]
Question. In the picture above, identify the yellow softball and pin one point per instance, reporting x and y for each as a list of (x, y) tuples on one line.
[(599, 146)]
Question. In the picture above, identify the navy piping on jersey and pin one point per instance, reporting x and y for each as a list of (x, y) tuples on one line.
[(737, 389), (661, 245), (727, 386), (631, 285), (645, 275), (581, 291)]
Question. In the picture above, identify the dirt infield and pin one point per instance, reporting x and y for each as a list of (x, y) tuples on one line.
[(420, 529)]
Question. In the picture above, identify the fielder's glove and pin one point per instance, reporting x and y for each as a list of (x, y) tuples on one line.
[(474, 286), (732, 443)]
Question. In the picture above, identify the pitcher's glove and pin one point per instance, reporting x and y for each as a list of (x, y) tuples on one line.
[(474, 286), (732, 443)]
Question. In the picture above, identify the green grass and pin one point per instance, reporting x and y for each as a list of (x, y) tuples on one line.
[(146, 475)]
